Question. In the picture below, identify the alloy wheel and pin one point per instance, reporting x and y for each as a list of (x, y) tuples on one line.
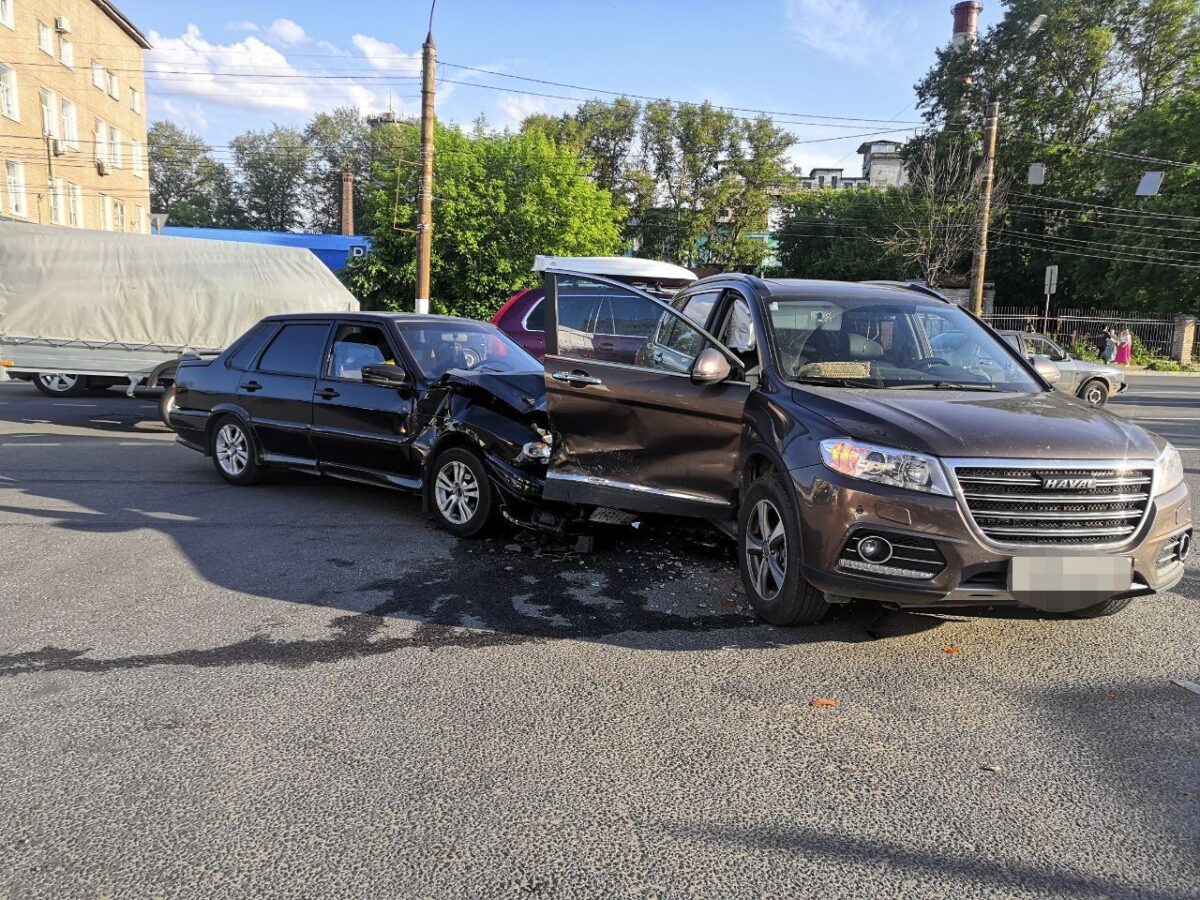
[(232, 449), (766, 550), (58, 382), (456, 492)]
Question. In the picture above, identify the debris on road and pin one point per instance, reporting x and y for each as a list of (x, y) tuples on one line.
[(950, 649), (823, 703)]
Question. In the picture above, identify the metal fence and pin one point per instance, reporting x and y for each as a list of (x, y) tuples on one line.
[(1069, 325)]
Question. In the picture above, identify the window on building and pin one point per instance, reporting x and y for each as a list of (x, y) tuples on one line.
[(45, 38), (114, 86), (70, 124), (135, 100), (8, 93), (106, 212), (99, 78), (118, 215), (143, 223), (74, 206), (57, 202), (6, 13), (66, 52), (135, 158), (101, 136), (15, 177), (49, 112), (116, 148)]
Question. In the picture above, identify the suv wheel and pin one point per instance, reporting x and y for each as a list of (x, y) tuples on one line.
[(1104, 608), (60, 384), (1094, 393), (769, 557), (232, 451), (460, 494)]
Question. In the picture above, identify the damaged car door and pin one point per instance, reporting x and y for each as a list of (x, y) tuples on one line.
[(647, 415)]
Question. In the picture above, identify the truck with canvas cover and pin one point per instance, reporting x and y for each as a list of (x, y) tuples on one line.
[(92, 309)]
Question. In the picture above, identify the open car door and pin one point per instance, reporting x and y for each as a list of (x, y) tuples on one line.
[(645, 406)]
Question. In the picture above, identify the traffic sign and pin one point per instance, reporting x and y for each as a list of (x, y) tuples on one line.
[(1051, 279)]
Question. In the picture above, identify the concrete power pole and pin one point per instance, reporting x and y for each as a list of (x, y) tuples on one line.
[(347, 203), (425, 198), (979, 266)]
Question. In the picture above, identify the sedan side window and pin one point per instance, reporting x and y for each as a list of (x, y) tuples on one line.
[(609, 323), (296, 350), (355, 346), (248, 346)]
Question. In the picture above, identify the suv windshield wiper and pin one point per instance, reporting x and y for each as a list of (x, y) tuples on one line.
[(945, 386), (836, 382)]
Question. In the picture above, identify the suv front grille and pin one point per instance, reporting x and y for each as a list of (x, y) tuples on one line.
[(1067, 505)]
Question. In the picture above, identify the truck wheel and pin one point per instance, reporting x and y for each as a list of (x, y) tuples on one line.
[(166, 403), (769, 557), (60, 384), (1104, 608), (232, 451), (1094, 393), (460, 494)]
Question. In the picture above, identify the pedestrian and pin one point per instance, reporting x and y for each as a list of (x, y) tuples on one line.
[(1124, 347), (1108, 344)]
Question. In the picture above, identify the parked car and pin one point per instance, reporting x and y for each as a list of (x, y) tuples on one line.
[(375, 397), (522, 315), (817, 422), (1092, 382)]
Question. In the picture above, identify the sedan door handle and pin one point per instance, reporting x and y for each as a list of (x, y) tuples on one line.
[(327, 393), (577, 377), (251, 386)]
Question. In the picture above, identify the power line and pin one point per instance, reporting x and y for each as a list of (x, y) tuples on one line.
[(1086, 243), (1132, 213), (1109, 257)]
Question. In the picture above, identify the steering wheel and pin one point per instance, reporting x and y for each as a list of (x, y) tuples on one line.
[(928, 362)]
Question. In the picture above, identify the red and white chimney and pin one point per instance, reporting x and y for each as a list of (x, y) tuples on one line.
[(966, 23)]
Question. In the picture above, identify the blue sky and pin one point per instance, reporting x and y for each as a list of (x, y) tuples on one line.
[(221, 67)]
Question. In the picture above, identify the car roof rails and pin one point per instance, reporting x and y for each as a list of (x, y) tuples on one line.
[(919, 286)]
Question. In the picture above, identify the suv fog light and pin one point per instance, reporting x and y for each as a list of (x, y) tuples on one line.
[(875, 549), (1185, 546)]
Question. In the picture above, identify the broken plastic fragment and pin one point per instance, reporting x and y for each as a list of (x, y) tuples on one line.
[(823, 703)]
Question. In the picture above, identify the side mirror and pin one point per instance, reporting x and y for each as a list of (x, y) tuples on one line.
[(1046, 368), (386, 375), (710, 367)]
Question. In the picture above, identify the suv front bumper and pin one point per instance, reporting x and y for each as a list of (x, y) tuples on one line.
[(835, 508)]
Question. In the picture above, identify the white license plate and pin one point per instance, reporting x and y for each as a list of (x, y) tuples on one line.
[(1074, 574)]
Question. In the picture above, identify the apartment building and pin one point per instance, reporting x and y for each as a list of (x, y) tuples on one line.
[(72, 116)]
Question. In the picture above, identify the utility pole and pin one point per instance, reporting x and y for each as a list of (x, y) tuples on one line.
[(425, 198), (979, 265)]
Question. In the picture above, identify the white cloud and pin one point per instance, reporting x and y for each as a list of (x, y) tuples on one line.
[(515, 108), (190, 64), (843, 29), (385, 57), (285, 31), (189, 114), (242, 26)]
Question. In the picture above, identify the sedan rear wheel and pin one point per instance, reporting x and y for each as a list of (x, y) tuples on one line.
[(769, 557), (233, 452), (460, 495), (60, 384)]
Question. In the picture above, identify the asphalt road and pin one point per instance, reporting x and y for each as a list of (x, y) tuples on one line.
[(303, 690)]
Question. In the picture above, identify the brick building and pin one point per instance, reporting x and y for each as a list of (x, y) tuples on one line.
[(72, 116)]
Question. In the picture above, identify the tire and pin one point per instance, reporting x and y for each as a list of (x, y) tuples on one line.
[(60, 384), (769, 557), (459, 493), (166, 403), (1094, 393), (232, 449), (1102, 609)]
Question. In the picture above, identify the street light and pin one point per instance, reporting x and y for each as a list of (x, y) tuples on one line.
[(1036, 25)]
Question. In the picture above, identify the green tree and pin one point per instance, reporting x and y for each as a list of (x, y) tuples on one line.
[(186, 182), (500, 200), (838, 234), (273, 170), (340, 142)]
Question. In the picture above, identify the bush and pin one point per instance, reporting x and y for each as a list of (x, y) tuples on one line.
[(1084, 349), (1167, 365)]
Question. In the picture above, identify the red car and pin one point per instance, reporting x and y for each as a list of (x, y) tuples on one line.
[(612, 328)]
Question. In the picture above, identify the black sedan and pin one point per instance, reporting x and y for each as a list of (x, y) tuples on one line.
[(438, 404)]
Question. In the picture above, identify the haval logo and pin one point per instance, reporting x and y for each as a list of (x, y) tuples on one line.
[(1068, 484)]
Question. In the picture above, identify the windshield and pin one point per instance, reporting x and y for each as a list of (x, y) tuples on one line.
[(883, 344), (438, 347)]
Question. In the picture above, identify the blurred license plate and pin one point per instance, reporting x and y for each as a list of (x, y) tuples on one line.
[(1076, 574)]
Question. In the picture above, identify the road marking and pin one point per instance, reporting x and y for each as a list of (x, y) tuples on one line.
[(88, 405), (1187, 685), (27, 444)]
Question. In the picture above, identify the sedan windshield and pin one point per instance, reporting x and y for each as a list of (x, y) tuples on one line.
[(883, 344), (438, 347)]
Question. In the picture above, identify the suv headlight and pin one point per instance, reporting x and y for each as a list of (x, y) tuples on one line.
[(884, 465), (1168, 470)]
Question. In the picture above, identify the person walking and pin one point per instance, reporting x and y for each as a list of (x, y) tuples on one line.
[(1124, 347), (1108, 344)]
